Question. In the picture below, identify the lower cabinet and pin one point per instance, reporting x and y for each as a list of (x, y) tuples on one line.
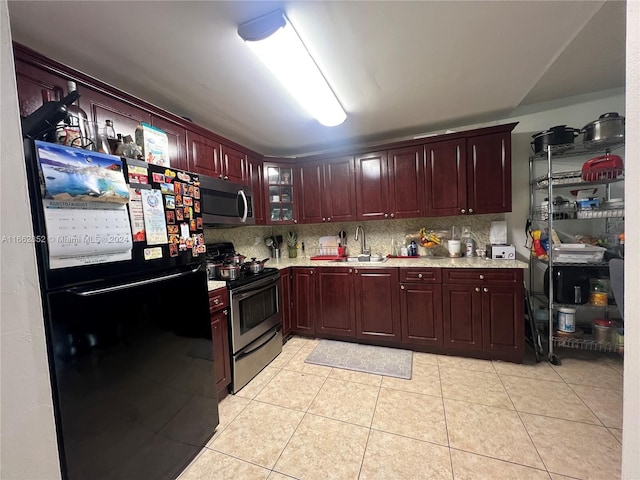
[(467, 312), (377, 302), (304, 301), (219, 309), (285, 301), (483, 311)]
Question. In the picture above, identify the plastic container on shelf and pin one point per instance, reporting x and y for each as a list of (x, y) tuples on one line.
[(577, 253), (602, 329), (567, 319)]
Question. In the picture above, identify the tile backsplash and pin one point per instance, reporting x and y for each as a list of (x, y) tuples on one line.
[(379, 234)]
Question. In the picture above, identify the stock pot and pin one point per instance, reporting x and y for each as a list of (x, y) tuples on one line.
[(609, 128), (229, 271), (255, 266)]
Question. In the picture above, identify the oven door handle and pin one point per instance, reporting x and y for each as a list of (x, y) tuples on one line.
[(262, 344), (124, 286), (246, 206), (248, 293)]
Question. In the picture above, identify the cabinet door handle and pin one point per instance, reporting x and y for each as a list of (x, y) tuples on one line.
[(324, 219), (216, 301), (226, 312), (463, 211), (471, 210), (402, 287), (311, 272), (329, 219), (225, 177), (419, 275), (485, 289), (393, 215), (355, 271), (481, 277), (351, 270), (220, 176), (477, 289), (386, 215), (295, 221)]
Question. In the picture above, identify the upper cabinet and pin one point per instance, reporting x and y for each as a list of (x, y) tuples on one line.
[(467, 176), (327, 191), (489, 173), (234, 164), (406, 182), (253, 178), (372, 186), (280, 187), (203, 155)]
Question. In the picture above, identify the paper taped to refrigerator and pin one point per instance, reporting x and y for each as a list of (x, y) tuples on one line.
[(154, 220), (86, 233)]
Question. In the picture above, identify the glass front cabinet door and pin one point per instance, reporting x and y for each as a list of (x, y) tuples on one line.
[(279, 184)]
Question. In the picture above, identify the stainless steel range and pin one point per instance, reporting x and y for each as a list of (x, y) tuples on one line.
[(255, 325)]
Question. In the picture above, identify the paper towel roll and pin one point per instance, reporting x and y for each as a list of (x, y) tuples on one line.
[(498, 233)]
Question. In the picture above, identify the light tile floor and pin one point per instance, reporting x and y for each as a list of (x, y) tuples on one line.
[(456, 417)]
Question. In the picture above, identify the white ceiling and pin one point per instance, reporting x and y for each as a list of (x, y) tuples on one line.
[(398, 68)]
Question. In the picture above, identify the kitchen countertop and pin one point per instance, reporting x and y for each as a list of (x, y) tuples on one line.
[(422, 262)]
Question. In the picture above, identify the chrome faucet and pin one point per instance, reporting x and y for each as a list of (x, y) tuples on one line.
[(363, 243)]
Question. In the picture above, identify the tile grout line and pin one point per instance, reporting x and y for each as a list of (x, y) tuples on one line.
[(525, 428), (446, 425), (304, 414), (364, 453)]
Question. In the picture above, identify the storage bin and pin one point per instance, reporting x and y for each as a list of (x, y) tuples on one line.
[(577, 253)]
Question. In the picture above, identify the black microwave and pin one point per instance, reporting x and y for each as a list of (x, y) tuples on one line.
[(225, 203)]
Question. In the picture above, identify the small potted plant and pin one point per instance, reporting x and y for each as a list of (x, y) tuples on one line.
[(292, 244)]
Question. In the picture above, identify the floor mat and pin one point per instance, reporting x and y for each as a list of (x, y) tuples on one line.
[(391, 362)]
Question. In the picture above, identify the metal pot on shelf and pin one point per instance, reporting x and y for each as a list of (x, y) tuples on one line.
[(558, 135), (608, 129)]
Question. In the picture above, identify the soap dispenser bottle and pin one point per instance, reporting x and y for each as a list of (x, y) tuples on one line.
[(467, 242)]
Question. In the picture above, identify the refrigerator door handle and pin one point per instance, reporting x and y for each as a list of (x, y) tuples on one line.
[(124, 286)]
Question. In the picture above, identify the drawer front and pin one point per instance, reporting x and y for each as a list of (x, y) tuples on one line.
[(218, 299), (424, 275), (501, 276)]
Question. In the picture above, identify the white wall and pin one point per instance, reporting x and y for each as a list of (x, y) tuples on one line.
[(631, 433), (27, 431)]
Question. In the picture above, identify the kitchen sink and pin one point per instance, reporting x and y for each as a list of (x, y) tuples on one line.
[(357, 260)]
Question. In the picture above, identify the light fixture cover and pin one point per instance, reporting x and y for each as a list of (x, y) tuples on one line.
[(275, 41)]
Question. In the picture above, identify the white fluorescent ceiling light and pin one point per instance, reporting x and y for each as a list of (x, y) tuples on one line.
[(277, 44)]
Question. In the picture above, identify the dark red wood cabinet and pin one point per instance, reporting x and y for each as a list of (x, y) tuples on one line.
[(372, 186), (253, 178), (421, 306), (446, 178), (305, 304), (483, 310), (327, 191), (285, 301), (489, 173), (219, 309), (336, 309), (203, 155), (406, 182), (377, 302), (234, 164)]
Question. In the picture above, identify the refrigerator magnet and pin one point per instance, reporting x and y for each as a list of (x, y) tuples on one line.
[(171, 217), (170, 202), (187, 201), (157, 177), (190, 190), (174, 239), (185, 177), (192, 225), (196, 206), (179, 215), (166, 188), (169, 174), (173, 249), (184, 230), (179, 200), (188, 212), (152, 253), (199, 223), (177, 188), (196, 192), (200, 239), (172, 229), (182, 246)]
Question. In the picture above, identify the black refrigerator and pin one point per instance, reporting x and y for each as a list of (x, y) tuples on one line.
[(121, 259)]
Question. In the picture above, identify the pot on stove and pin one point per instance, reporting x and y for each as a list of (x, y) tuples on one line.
[(236, 258), (255, 266), (229, 271)]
